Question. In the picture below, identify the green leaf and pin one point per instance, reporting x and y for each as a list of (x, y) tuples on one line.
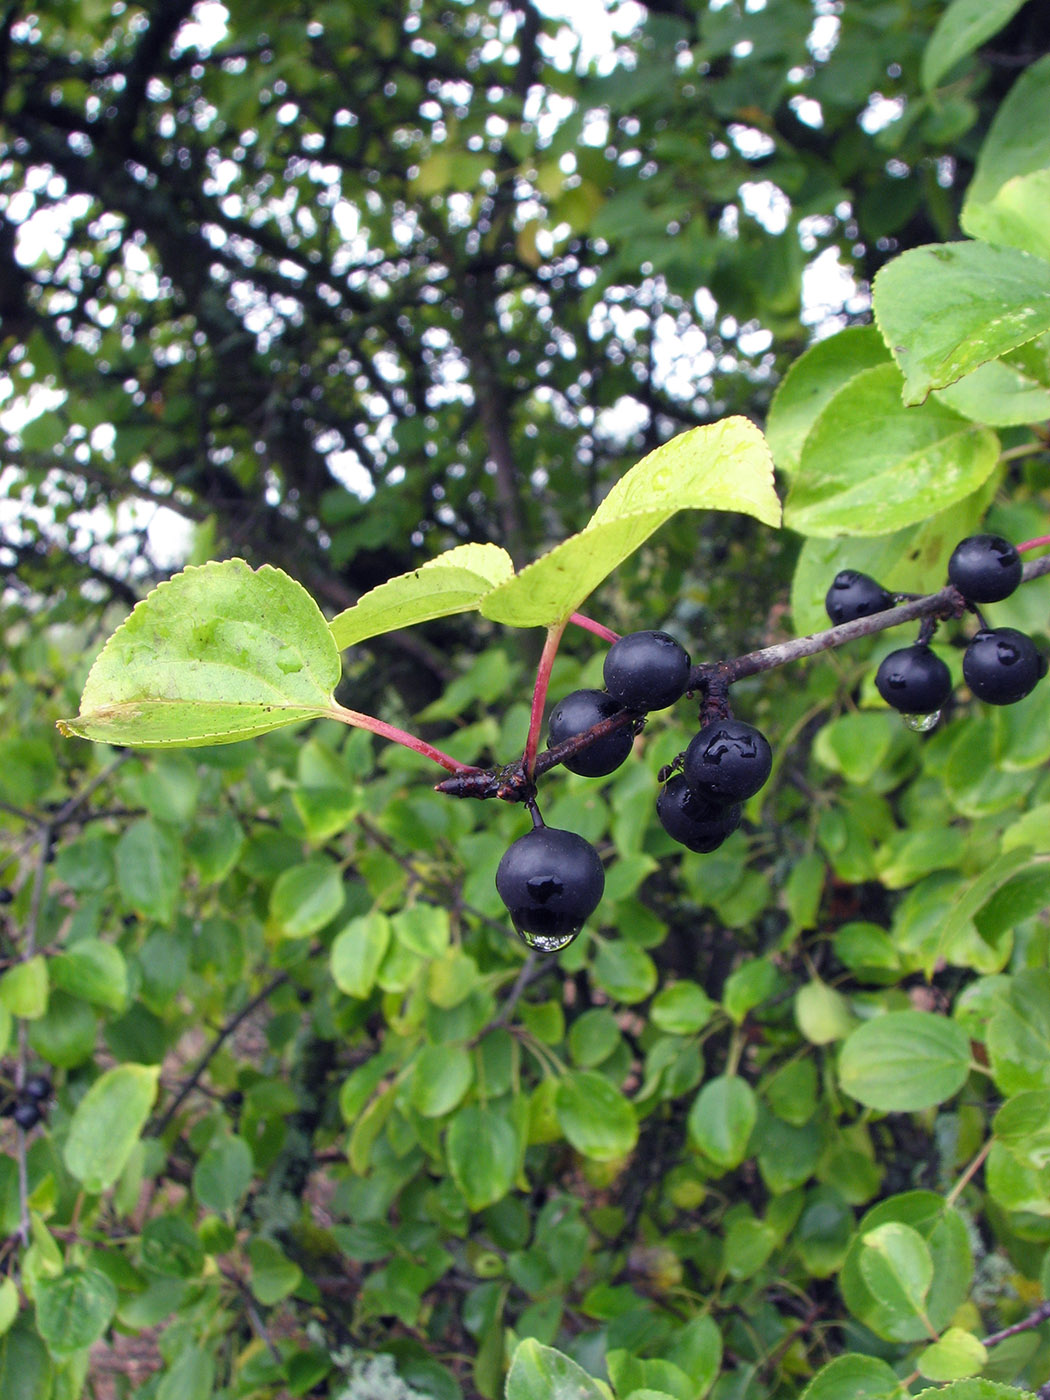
[(853, 1377), (697, 1350), (74, 1309), (595, 1116), (722, 466), (810, 384), (218, 653), (624, 971), (149, 869), (681, 1008), (357, 952), (65, 1034), (1018, 140), (8, 1305), (896, 1264), (93, 970), (956, 1355), (722, 1118), (1004, 393), (482, 1149), (274, 1276), (25, 1366), (977, 1389), (823, 1014), (24, 988), (107, 1122), (541, 1373), (452, 582), (870, 465), (1023, 1125), (306, 897), (961, 29), (946, 308), (1016, 215), (905, 1060), (192, 1373), (1018, 1037), (223, 1174), (441, 1076)]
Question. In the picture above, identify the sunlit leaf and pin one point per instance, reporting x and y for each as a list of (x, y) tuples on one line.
[(722, 466), (218, 653), (452, 582)]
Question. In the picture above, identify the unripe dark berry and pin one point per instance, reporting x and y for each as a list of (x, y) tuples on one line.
[(853, 594), (728, 761), (692, 820), (551, 881), (27, 1114), (914, 680), (646, 671), (582, 710), (1002, 666), (985, 568)]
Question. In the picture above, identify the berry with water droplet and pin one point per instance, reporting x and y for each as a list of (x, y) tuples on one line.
[(551, 881), (728, 761), (575, 714), (985, 568), (914, 680), (853, 594), (1002, 665), (646, 670), (692, 820)]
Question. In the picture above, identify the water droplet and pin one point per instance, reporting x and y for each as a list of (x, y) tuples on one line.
[(922, 724), (547, 942)]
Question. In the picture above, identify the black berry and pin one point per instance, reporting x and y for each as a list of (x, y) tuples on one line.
[(691, 819), (914, 680), (1002, 666), (37, 1086), (646, 671), (853, 594), (580, 711), (27, 1114), (728, 761), (551, 881), (985, 568)]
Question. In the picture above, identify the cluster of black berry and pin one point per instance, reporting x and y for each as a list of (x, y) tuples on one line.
[(552, 880), (28, 1105), (1000, 665)]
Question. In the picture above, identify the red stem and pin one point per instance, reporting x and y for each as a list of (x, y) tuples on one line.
[(539, 695), (401, 736), (1033, 544), (589, 625)]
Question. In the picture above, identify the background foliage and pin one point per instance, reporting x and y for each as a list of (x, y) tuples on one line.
[(318, 1124)]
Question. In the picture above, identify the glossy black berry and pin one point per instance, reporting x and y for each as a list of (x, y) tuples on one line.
[(985, 568), (582, 710), (914, 680), (691, 819), (853, 594), (646, 671), (551, 881), (37, 1086), (728, 761), (1002, 666), (26, 1114)]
